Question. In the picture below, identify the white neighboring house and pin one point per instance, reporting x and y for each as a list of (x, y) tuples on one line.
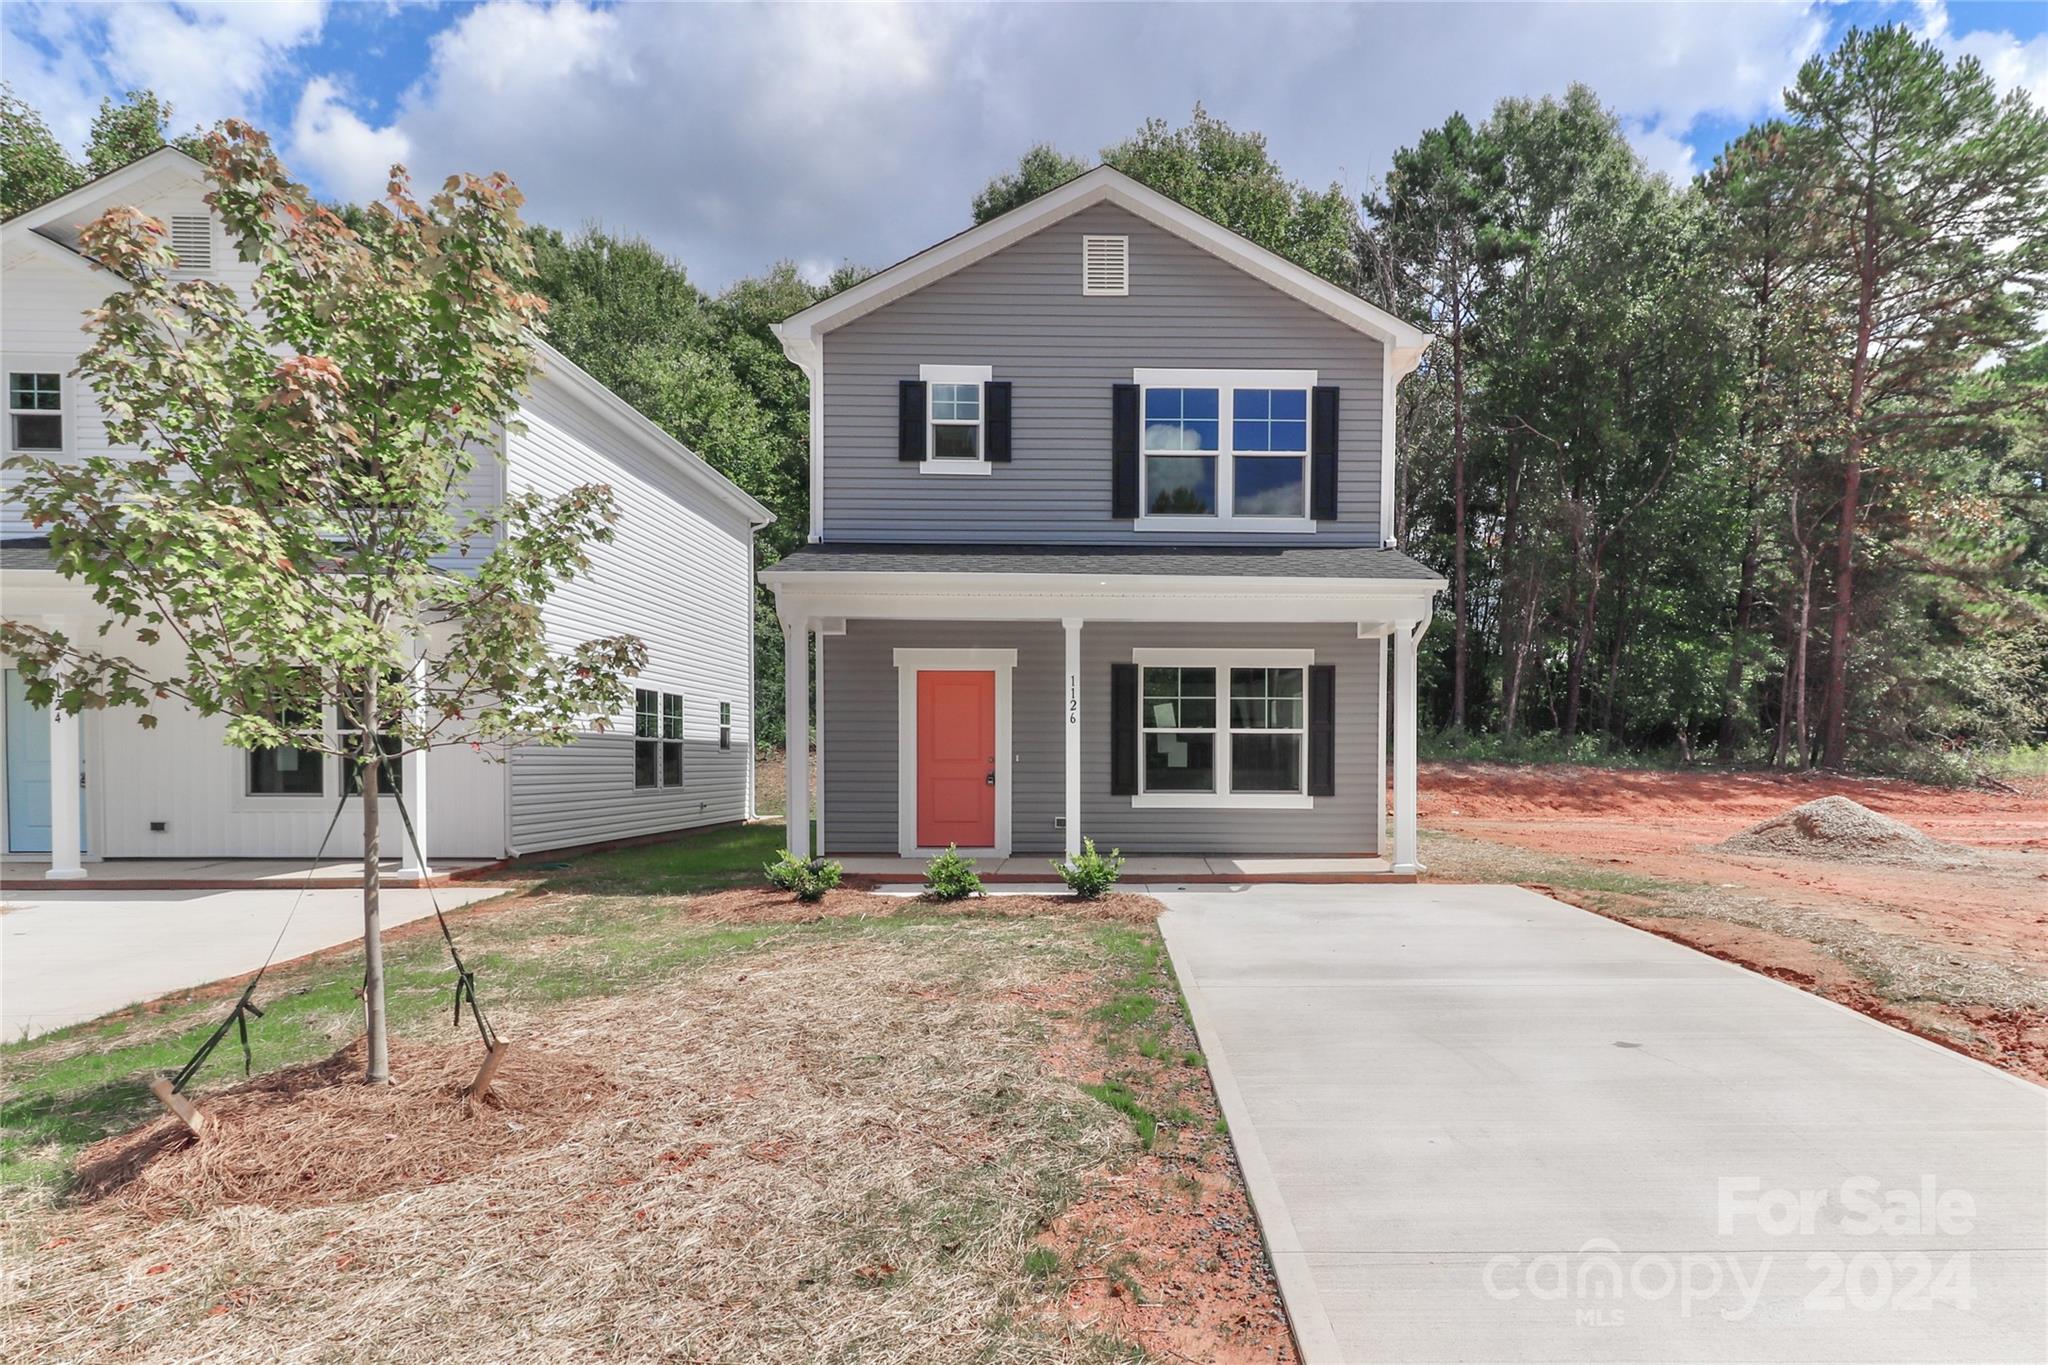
[(679, 575)]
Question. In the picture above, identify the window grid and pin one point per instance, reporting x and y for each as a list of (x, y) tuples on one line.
[(955, 421), (390, 772), (1189, 743), (1253, 466), (288, 770), (725, 725), (35, 410), (657, 738)]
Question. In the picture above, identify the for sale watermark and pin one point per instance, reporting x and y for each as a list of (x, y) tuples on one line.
[(1863, 1270)]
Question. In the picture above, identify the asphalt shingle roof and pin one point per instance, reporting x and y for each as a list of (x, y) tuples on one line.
[(1258, 561), (26, 552)]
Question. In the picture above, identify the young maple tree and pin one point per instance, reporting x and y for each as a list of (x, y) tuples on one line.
[(288, 527)]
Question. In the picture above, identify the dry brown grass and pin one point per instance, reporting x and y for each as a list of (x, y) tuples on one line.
[(832, 1149)]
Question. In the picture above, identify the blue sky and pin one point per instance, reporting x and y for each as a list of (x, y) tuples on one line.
[(733, 136)]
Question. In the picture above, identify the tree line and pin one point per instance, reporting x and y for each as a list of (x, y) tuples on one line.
[(1750, 467)]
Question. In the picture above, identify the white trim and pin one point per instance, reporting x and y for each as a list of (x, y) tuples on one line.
[(1223, 660), (978, 376), (34, 362), (1226, 383), (1101, 185), (1070, 721), (909, 663), (1389, 411), (165, 158), (811, 361), (818, 764)]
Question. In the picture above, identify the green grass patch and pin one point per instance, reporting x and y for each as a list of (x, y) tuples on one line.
[(704, 860), (1125, 1101)]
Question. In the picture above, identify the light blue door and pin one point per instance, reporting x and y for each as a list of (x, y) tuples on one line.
[(28, 773)]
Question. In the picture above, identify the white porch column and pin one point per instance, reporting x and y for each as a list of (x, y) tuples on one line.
[(796, 726), (1073, 732), (1407, 634), (413, 787), (65, 835)]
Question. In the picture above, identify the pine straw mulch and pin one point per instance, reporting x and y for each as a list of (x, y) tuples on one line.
[(310, 1135), (828, 1149), (762, 905)]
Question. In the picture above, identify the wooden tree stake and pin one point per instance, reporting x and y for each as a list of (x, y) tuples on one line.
[(484, 1073), (180, 1108)]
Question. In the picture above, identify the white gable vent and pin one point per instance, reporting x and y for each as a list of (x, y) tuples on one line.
[(192, 239), (1105, 265)]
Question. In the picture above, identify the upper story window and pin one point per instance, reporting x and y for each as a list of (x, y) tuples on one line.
[(1225, 448), (35, 411), (956, 437), (956, 421)]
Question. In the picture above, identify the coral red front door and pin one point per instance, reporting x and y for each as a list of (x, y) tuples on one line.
[(956, 758)]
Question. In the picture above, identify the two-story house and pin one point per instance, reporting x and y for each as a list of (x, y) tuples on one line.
[(679, 574), (1101, 502)]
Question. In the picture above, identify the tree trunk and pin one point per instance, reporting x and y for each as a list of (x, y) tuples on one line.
[(1779, 740), (1835, 707), (1459, 610), (378, 1071), (1745, 603), (1801, 637)]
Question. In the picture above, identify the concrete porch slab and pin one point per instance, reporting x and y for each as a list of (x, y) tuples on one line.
[(227, 874), (870, 870)]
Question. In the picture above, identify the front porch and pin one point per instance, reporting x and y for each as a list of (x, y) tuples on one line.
[(1215, 869), (1219, 714), (19, 874)]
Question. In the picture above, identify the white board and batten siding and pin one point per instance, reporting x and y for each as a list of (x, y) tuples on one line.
[(678, 574)]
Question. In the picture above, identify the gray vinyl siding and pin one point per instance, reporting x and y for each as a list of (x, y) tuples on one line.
[(860, 739), (1021, 312)]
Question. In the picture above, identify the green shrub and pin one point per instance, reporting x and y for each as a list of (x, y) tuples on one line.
[(808, 879), (950, 877), (1091, 874)]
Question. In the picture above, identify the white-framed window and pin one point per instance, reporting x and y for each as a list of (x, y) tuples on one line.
[(1224, 449), (35, 411), (956, 436), (725, 725), (657, 738), (287, 770), (390, 772), (1223, 727)]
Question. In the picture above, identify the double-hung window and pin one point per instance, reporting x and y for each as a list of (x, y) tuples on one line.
[(35, 411), (956, 418), (657, 738), (1225, 449), (1223, 728)]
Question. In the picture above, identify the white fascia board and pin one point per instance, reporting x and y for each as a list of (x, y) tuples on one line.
[(1054, 597), (1103, 184), (38, 245), (113, 183), (578, 384)]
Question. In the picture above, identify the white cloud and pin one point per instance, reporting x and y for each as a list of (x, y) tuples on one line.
[(2012, 63), (350, 158), (209, 60), (1662, 150)]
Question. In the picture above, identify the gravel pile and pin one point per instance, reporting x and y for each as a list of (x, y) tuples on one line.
[(1839, 830)]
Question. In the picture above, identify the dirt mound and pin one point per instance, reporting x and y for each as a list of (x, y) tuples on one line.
[(1838, 829), (312, 1135)]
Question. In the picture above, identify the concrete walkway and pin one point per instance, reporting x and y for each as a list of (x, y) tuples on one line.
[(1478, 1124), (68, 956)]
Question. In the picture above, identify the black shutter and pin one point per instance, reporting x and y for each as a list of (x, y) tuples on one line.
[(910, 419), (1322, 730), (995, 400), (1322, 454), (1123, 448), (1123, 729)]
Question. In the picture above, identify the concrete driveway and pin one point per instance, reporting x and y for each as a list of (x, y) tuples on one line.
[(1480, 1125), (67, 956)]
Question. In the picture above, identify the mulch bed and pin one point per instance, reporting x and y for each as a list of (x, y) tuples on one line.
[(313, 1135), (762, 905)]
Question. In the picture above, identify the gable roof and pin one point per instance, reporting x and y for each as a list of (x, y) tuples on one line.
[(801, 333), (167, 163)]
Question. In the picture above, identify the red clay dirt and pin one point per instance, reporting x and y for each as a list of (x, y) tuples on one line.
[(1669, 825)]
